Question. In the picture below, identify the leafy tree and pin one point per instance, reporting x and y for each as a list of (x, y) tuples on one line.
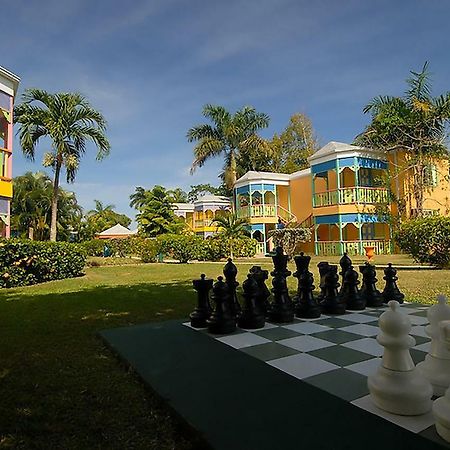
[(232, 136), (288, 238), (70, 122), (198, 190), (231, 227), (178, 195), (416, 125)]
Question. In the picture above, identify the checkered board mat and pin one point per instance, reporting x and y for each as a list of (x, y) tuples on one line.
[(335, 354)]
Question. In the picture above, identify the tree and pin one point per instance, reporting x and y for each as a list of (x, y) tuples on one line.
[(232, 135), (416, 125), (231, 227), (178, 195), (288, 238), (198, 190), (101, 218), (70, 122)]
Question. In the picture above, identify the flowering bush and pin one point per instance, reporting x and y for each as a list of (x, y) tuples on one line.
[(288, 238)]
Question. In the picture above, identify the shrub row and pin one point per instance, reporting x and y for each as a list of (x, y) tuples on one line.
[(30, 262)]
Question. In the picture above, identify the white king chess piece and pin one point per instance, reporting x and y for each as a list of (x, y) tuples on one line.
[(398, 387), (441, 406), (436, 367)]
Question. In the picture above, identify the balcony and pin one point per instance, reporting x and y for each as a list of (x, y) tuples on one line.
[(257, 211), (351, 195), (336, 248)]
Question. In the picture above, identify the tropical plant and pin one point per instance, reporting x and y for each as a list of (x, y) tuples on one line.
[(415, 125), (230, 135), (231, 227), (70, 122), (289, 238), (198, 190), (178, 195)]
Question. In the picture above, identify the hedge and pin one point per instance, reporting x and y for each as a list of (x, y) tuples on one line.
[(25, 262)]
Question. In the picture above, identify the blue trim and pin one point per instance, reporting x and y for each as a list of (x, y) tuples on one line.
[(334, 219), (323, 167), (256, 187), (242, 190), (257, 227), (346, 162), (269, 187), (369, 163)]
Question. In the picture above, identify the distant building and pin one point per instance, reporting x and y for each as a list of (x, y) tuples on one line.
[(9, 84), (116, 232)]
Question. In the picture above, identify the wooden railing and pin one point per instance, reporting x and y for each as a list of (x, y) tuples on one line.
[(257, 211), (349, 195), (336, 248), (260, 250)]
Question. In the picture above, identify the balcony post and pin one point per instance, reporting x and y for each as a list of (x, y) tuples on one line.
[(341, 239), (316, 244), (313, 191), (250, 197)]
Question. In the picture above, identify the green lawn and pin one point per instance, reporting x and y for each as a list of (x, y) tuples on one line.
[(61, 388)]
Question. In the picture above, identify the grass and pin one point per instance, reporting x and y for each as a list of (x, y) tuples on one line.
[(61, 388)]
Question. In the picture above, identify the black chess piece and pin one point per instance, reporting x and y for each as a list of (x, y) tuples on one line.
[(332, 303), (302, 263), (281, 309), (306, 306), (222, 320), (391, 290), (345, 262), (323, 267), (369, 292), (263, 294), (203, 310), (252, 315), (349, 293), (230, 272)]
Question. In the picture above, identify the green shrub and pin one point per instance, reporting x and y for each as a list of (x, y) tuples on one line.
[(183, 247), (427, 240), (218, 247), (30, 262), (94, 247), (148, 250)]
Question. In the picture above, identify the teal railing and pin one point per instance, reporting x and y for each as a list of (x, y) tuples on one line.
[(349, 195)]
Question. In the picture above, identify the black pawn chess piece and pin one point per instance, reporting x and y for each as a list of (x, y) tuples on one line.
[(281, 309), (252, 315), (345, 262), (369, 292), (323, 267), (230, 272), (332, 303), (349, 293), (203, 310), (222, 320), (263, 294), (306, 306), (391, 290)]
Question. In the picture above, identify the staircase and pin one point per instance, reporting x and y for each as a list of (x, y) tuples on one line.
[(285, 216), (308, 222)]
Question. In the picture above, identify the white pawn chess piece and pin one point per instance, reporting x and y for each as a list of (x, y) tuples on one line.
[(436, 367), (441, 406), (397, 387)]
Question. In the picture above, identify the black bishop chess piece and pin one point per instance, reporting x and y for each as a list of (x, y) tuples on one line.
[(281, 309), (369, 292), (306, 306), (263, 294), (332, 303), (203, 310), (345, 262), (391, 290), (323, 267), (230, 272), (349, 293), (302, 264), (222, 320), (252, 315)]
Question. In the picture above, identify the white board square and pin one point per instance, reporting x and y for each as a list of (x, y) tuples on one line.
[(302, 365)]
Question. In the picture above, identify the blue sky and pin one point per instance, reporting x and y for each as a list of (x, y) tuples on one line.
[(150, 66)]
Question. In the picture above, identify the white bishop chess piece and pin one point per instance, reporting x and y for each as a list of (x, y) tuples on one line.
[(398, 387), (436, 367)]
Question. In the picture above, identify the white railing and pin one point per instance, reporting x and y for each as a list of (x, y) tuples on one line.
[(349, 195)]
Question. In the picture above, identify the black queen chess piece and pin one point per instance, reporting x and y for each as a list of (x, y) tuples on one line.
[(349, 293), (281, 309), (306, 306), (230, 272), (203, 310), (252, 315), (369, 292), (323, 267), (391, 290), (222, 320), (332, 303), (263, 293)]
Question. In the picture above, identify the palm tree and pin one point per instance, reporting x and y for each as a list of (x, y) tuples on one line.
[(230, 135), (231, 227), (69, 121), (100, 208)]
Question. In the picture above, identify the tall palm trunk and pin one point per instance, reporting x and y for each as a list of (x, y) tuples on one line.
[(54, 218), (418, 187)]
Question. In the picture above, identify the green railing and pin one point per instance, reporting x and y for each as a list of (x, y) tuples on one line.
[(260, 248), (336, 248), (257, 211), (349, 195)]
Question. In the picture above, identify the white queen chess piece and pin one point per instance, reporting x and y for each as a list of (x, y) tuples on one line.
[(397, 386), (436, 367)]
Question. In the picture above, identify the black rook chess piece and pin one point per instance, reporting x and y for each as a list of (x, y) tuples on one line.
[(305, 305), (349, 293), (230, 271), (323, 269), (263, 294), (281, 309), (369, 292), (252, 315), (391, 290), (332, 303), (222, 320), (203, 310)]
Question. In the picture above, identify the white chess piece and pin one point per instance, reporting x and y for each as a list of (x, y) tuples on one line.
[(397, 387), (441, 406), (436, 367)]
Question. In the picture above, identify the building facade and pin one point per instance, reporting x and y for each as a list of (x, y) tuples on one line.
[(9, 84)]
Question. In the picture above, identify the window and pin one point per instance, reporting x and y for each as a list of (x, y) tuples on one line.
[(5, 100), (430, 175), (368, 231), (3, 132)]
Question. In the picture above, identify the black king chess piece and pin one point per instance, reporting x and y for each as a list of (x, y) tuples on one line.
[(323, 267), (203, 310), (306, 306), (369, 292), (332, 303), (263, 294), (230, 272), (349, 293), (222, 320), (391, 290), (252, 315), (281, 309)]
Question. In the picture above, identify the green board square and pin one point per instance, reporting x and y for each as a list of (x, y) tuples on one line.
[(417, 355), (373, 313), (334, 322), (419, 313), (342, 356), (421, 339), (342, 383), (374, 323), (336, 336), (276, 334), (269, 351)]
